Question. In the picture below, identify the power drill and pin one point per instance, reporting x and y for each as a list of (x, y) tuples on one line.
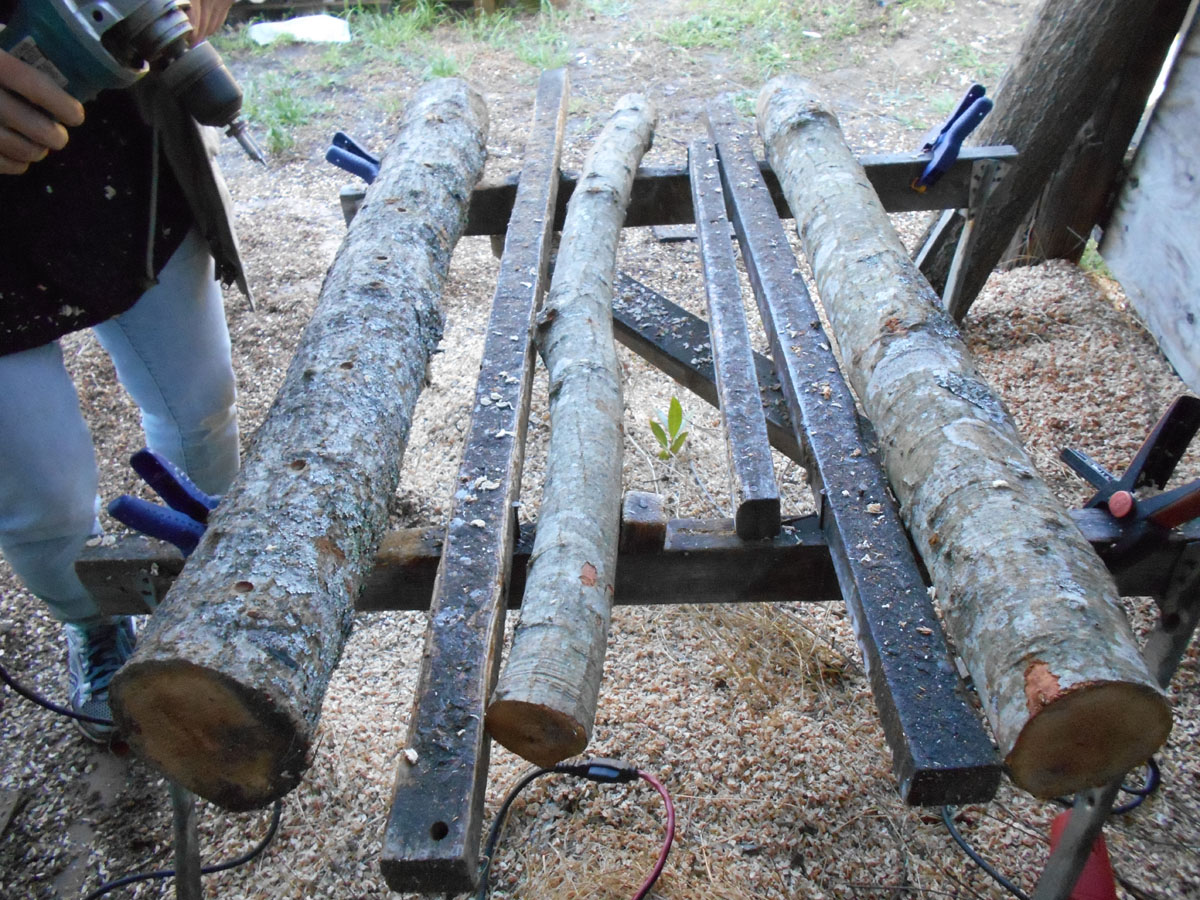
[(92, 45)]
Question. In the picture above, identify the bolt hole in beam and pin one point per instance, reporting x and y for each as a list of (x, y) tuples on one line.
[(439, 831)]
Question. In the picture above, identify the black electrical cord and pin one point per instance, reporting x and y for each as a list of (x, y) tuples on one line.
[(1150, 784), (38, 699), (602, 771), (34, 697), (126, 880), (948, 819)]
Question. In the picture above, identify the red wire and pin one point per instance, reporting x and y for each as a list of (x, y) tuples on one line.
[(666, 847)]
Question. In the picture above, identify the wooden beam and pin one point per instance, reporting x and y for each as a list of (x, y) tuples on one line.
[(752, 475), (433, 831), (702, 558)]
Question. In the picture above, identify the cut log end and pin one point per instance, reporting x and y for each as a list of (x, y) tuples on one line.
[(538, 733), (205, 732), (1087, 737)]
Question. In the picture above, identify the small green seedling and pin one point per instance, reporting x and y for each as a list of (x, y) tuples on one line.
[(670, 438)]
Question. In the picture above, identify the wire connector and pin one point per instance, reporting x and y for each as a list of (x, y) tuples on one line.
[(601, 770)]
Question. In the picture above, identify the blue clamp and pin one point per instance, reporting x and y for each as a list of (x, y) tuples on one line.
[(944, 143), (346, 154), (182, 521)]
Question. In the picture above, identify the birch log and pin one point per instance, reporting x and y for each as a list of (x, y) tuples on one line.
[(1031, 607), (544, 704), (224, 691)]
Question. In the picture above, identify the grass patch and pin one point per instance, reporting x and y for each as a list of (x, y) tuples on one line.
[(545, 46), (1093, 263), (387, 33), (772, 37), (440, 64), (276, 108)]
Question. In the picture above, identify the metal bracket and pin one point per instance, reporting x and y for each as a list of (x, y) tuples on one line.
[(987, 175)]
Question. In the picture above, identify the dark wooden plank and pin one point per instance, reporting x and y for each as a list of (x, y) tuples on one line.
[(704, 556), (433, 834), (643, 523), (662, 195), (752, 476), (939, 746), (677, 343)]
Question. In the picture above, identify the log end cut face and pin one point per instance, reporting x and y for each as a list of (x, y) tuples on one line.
[(204, 732), (536, 732), (1085, 737)]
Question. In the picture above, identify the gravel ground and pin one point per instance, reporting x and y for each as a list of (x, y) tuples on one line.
[(757, 718)]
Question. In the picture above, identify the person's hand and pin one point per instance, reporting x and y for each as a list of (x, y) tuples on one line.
[(33, 114), (207, 16)]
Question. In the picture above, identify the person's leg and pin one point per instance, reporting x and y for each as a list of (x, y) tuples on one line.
[(47, 510), (172, 354), (48, 479)]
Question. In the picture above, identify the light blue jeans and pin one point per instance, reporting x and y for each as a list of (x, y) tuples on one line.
[(172, 354)]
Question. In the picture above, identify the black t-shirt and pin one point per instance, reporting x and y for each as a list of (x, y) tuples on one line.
[(74, 229)]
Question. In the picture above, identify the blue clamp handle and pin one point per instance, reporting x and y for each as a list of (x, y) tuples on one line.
[(974, 92), (946, 144), (158, 522), (182, 521), (345, 153), (169, 482)]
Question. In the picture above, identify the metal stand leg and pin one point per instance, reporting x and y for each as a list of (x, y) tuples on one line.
[(187, 847), (1179, 612)]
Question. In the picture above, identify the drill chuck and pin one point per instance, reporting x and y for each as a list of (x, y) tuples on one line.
[(204, 87)]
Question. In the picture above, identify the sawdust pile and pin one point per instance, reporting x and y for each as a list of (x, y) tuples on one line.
[(758, 719)]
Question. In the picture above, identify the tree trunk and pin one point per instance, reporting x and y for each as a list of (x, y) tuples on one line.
[(1070, 53), (1030, 606), (1081, 191), (225, 689), (544, 704)]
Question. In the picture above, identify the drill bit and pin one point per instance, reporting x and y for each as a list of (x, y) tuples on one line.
[(237, 131)]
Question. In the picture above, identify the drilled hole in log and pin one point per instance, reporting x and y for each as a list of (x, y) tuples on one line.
[(346, 365), (243, 587), (297, 464), (439, 830)]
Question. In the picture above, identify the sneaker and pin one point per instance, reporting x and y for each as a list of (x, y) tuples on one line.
[(94, 653)]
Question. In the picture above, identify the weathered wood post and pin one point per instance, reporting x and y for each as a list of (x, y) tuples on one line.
[(1070, 54), (1031, 607), (544, 704), (225, 689)]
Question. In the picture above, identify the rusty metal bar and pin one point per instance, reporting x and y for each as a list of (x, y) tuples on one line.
[(940, 751), (433, 833), (751, 473)]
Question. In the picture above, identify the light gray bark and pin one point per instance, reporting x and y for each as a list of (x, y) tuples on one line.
[(225, 689), (544, 704), (1030, 606)]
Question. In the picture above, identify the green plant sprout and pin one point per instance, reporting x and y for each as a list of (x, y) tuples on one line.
[(671, 437)]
